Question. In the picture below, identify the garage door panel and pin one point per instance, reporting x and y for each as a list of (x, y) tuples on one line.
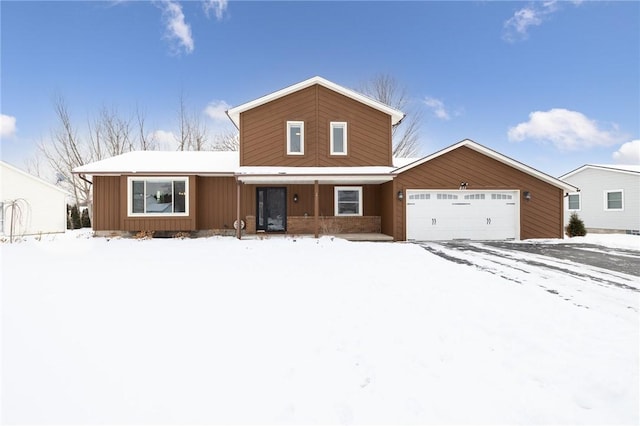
[(473, 215)]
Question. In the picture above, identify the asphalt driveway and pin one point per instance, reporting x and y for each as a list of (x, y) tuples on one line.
[(511, 259)]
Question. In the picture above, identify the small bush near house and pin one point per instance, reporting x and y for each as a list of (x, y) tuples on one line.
[(144, 235), (84, 219), (575, 228), (73, 217)]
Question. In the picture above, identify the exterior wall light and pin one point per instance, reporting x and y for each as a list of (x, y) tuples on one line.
[(295, 198), (527, 195), (400, 195)]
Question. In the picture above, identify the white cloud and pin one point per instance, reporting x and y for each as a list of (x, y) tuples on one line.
[(437, 106), (629, 153), (7, 126), (567, 130), (166, 140), (517, 27), (216, 110), (217, 6), (177, 28)]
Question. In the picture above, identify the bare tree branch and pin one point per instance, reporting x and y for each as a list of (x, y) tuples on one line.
[(405, 135)]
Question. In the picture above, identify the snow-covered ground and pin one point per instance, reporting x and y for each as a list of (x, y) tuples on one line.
[(306, 331)]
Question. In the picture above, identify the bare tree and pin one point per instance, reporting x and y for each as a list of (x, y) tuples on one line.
[(226, 141), (66, 152), (192, 132), (146, 141), (110, 135), (405, 135)]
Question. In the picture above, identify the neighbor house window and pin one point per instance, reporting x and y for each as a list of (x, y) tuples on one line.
[(295, 137), (163, 196), (348, 201), (338, 138), (613, 200), (573, 202)]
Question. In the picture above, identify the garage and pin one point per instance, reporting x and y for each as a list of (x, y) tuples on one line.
[(433, 215)]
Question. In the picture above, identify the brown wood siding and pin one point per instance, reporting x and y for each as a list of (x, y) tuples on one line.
[(106, 203), (263, 139), (179, 223), (388, 201), (216, 203), (368, 131), (541, 217)]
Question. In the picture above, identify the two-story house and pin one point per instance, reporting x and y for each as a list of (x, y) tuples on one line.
[(316, 158)]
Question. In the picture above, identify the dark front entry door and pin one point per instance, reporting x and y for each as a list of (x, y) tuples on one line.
[(272, 209)]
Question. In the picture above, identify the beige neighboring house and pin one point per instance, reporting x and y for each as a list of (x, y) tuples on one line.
[(30, 205)]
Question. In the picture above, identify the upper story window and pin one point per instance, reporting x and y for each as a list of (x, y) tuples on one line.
[(613, 200), (348, 201), (573, 202), (295, 137), (338, 138), (162, 196)]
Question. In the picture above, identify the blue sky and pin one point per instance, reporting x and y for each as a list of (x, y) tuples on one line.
[(552, 84)]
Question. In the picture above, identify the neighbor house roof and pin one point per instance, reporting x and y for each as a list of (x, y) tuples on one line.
[(620, 168), (165, 162), (496, 156), (32, 177), (234, 113)]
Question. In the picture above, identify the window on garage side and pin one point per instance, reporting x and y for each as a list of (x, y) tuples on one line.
[(166, 196), (573, 202), (295, 137), (338, 138), (348, 201), (614, 200)]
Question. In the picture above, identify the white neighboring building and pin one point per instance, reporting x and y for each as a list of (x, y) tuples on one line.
[(609, 197), (36, 206)]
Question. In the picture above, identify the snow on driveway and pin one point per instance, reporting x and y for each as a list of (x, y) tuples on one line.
[(300, 331)]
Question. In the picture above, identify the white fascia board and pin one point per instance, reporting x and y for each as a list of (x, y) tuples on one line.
[(310, 179), (496, 156), (628, 169), (234, 113)]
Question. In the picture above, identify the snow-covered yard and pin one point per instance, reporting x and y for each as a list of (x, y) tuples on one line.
[(304, 331)]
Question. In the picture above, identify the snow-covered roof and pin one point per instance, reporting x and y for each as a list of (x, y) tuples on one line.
[(165, 162), (326, 175), (496, 156), (234, 113), (622, 168)]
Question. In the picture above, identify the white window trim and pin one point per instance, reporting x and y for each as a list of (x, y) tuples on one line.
[(130, 180), (606, 198), (579, 202), (332, 125), (289, 125), (347, 188)]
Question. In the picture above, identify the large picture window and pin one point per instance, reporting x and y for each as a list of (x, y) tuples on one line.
[(338, 138), (613, 200), (158, 196), (348, 201), (295, 137)]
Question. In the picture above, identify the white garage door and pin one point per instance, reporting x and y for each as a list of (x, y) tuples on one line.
[(464, 214)]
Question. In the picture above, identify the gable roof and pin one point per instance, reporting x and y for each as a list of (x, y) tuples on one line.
[(165, 162), (32, 177), (396, 115), (619, 168), (496, 156)]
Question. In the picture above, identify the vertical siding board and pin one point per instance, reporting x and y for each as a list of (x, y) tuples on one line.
[(539, 218)]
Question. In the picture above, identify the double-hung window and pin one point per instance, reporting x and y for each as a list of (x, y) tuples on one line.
[(348, 201), (573, 202), (613, 200), (338, 138), (295, 137), (161, 196)]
